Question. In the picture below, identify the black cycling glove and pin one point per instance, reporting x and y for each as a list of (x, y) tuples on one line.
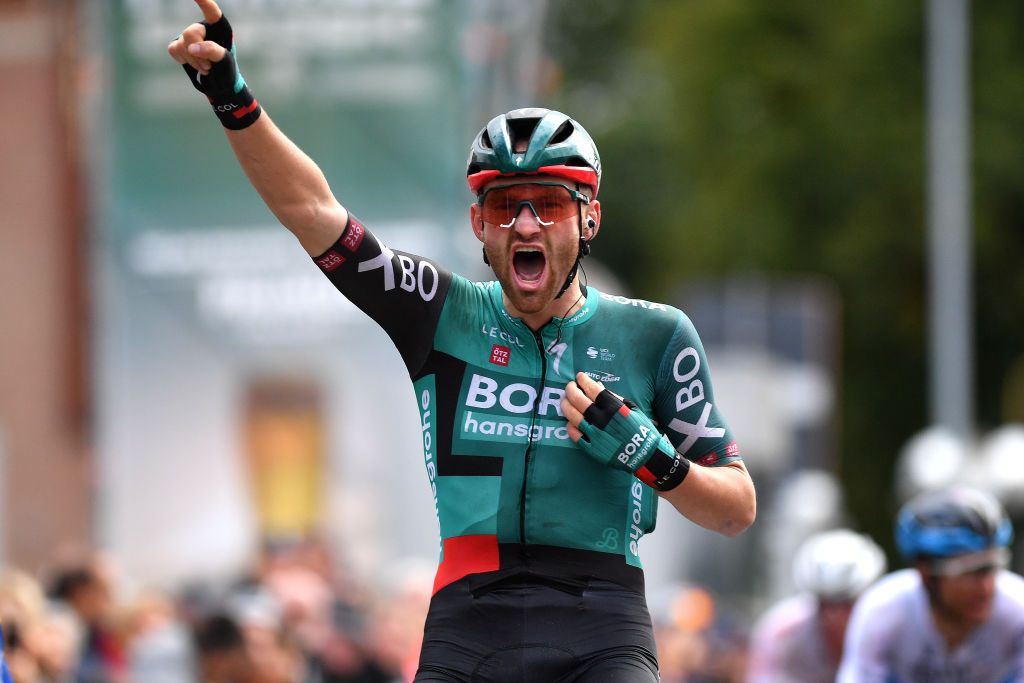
[(224, 86)]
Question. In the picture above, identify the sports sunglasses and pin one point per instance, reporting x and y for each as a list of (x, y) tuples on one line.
[(549, 202)]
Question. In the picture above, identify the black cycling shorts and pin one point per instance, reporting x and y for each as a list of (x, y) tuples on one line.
[(538, 629)]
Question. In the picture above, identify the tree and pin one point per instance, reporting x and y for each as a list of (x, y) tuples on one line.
[(788, 138)]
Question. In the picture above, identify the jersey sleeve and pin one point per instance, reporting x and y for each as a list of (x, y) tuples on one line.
[(684, 401), (402, 292)]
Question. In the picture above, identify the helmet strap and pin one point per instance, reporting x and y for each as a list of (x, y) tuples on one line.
[(582, 250)]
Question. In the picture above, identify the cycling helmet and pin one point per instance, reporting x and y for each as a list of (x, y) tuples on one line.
[(557, 145), (951, 522), (837, 564)]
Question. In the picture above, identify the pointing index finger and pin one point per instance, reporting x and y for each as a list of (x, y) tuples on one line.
[(211, 13)]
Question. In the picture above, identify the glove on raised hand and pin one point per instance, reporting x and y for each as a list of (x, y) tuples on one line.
[(224, 87)]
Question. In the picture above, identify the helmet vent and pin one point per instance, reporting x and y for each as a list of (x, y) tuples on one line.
[(562, 134), (521, 129), (485, 140)]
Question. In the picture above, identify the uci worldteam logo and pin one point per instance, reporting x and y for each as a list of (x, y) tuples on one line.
[(593, 353)]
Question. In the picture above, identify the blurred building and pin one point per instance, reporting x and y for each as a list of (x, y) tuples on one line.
[(179, 382), (46, 481)]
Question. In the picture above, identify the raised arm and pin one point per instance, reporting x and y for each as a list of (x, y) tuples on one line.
[(292, 185)]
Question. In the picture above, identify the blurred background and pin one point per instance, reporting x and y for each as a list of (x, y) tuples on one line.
[(194, 425)]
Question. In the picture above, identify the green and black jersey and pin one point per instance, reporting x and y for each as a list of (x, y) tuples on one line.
[(512, 491)]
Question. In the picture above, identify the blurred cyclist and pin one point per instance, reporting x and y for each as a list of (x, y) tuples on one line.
[(956, 617), (5, 674), (800, 640), (544, 481)]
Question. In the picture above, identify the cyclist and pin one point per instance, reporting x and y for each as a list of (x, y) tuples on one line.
[(543, 479), (800, 640), (956, 617)]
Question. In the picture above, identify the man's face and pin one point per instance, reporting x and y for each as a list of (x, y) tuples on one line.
[(968, 597), (531, 259), (834, 615), (964, 587)]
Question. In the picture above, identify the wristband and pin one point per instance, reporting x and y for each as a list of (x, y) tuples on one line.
[(618, 434), (230, 97)]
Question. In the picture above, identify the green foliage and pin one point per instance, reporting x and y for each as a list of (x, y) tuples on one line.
[(789, 138)]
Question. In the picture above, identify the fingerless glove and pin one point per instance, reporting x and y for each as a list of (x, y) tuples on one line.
[(230, 97), (618, 434)]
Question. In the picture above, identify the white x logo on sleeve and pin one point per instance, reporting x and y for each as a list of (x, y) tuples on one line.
[(694, 431)]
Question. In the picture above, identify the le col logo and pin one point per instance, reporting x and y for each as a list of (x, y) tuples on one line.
[(496, 332), (225, 107)]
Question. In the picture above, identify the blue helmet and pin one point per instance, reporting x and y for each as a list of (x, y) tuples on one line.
[(951, 522)]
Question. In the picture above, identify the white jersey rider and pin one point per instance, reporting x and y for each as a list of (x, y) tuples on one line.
[(957, 616)]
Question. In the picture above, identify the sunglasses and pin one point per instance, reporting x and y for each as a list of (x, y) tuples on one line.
[(984, 562), (549, 202)]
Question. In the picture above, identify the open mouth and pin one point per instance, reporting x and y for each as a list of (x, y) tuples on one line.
[(529, 264)]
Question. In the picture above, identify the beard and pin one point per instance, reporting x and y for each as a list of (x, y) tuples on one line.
[(526, 295)]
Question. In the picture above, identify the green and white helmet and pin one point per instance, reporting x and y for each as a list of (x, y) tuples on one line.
[(557, 145)]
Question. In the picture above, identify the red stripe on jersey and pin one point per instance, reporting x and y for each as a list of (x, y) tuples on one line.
[(624, 410), (466, 555)]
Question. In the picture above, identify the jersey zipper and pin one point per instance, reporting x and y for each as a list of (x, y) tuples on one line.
[(529, 436)]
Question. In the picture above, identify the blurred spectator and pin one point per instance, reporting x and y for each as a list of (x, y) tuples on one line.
[(396, 624), (40, 641), (85, 588), (698, 641), (157, 643), (221, 651), (18, 662), (53, 642), (295, 618)]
